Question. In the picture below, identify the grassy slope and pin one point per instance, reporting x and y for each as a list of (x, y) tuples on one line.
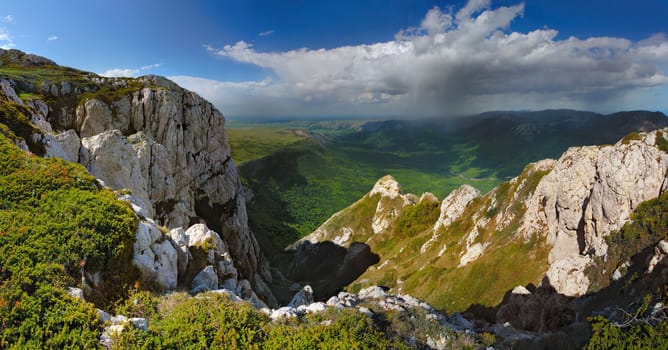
[(438, 279), (302, 183), (254, 143), (52, 215)]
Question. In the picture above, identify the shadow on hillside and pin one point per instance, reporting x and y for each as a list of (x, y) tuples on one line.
[(269, 217), (545, 319), (325, 266)]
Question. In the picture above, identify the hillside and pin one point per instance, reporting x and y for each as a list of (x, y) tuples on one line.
[(436, 155), (557, 225), (123, 225)]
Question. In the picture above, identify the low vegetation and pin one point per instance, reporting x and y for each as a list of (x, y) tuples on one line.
[(54, 222), (642, 328), (211, 320)]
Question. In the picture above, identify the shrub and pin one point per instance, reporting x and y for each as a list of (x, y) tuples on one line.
[(53, 222)]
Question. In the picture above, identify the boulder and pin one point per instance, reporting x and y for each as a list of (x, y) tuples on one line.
[(155, 256), (71, 144), (206, 280), (283, 313), (303, 297), (660, 253)]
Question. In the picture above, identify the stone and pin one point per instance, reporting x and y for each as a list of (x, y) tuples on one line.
[(76, 293), (52, 147), (103, 315), (166, 264), (366, 311), (71, 144), (520, 290), (206, 280), (374, 292), (180, 241), (386, 186), (567, 275), (303, 297), (460, 322), (283, 313), (110, 157), (454, 204), (316, 307), (93, 117), (660, 253), (155, 255), (139, 323), (201, 236), (591, 192)]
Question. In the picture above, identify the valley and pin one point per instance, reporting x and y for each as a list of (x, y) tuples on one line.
[(337, 161)]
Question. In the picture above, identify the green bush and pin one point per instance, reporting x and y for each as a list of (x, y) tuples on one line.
[(642, 329), (417, 218), (53, 220), (212, 321)]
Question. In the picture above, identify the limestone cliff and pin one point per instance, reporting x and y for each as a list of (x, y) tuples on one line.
[(165, 144), (546, 226)]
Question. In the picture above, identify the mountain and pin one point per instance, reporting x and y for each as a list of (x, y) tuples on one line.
[(436, 155), (163, 144), (561, 224), (123, 224)]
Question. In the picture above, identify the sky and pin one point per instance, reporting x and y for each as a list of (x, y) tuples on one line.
[(377, 58)]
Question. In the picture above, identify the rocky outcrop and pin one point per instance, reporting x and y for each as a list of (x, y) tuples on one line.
[(391, 201), (591, 192), (165, 144), (454, 204)]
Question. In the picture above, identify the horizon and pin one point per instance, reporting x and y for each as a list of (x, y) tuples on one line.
[(367, 60)]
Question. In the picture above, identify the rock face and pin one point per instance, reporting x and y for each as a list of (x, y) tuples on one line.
[(454, 204), (591, 192), (387, 210), (562, 208), (165, 144)]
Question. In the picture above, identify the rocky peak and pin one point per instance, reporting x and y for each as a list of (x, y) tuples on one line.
[(454, 204), (386, 186), (17, 57)]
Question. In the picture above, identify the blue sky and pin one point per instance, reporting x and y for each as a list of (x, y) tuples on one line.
[(395, 58)]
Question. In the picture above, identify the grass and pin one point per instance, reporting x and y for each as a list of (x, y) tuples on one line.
[(254, 143)]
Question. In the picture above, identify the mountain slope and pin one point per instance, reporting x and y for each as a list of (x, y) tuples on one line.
[(164, 144), (435, 155), (551, 221)]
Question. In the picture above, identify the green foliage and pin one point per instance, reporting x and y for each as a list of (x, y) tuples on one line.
[(47, 318), (661, 141), (634, 136), (51, 217), (254, 143), (15, 121), (641, 329), (417, 218), (212, 321)]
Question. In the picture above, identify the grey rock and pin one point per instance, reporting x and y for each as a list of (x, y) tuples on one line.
[(206, 280), (139, 323), (71, 144), (303, 297), (76, 293)]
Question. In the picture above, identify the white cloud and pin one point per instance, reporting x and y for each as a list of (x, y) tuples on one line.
[(266, 33), (8, 19), (52, 38), (455, 62), (128, 72), (6, 40)]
